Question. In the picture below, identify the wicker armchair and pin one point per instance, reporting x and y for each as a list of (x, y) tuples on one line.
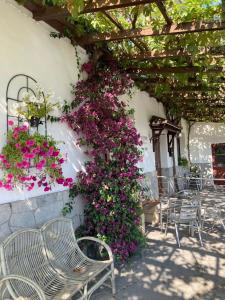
[(48, 264)]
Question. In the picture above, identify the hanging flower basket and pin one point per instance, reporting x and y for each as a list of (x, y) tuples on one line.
[(31, 159)]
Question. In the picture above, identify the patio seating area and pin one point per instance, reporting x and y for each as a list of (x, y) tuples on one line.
[(112, 149), (162, 271)]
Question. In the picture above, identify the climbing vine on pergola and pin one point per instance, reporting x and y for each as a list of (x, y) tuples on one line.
[(175, 50)]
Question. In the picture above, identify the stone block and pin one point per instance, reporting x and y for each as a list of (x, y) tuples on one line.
[(24, 206), (5, 213), (48, 212), (22, 220), (4, 231), (48, 199), (65, 195), (33, 212)]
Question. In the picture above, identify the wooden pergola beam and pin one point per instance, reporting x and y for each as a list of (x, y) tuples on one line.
[(165, 70), (151, 55), (199, 88), (113, 20), (55, 12), (188, 103), (103, 5), (186, 107), (174, 29), (163, 11), (51, 13), (174, 96), (156, 79), (193, 99)]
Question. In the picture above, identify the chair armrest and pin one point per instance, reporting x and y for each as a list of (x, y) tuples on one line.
[(90, 238), (29, 282)]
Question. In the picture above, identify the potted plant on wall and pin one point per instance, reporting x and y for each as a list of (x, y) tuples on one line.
[(35, 107)]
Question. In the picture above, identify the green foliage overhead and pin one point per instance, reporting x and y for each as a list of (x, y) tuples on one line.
[(202, 46)]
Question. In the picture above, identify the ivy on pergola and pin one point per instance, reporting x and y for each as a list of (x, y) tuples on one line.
[(171, 48)]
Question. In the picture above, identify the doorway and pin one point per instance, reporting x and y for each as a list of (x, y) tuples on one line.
[(218, 162)]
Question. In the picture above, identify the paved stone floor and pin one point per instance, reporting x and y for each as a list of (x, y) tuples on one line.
[(162, 271)]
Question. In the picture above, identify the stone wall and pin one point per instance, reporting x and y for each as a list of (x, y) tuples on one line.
[(32, 213)]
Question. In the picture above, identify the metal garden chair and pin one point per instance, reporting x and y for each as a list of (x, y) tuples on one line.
[(185, 214), (213, 215)]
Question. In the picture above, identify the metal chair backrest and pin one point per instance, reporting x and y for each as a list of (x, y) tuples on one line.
[(188, 213), (174, 202)]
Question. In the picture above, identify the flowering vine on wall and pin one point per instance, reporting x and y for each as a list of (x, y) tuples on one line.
[(110, 182)]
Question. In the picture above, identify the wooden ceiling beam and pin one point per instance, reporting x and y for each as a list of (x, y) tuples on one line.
[(181, 103), (165, 70), (174, 95), (174, 29), (185, 106), (206, 100), (103, 5), (139, 44), (51, 13), (163, 11), (197, 88), (151, 55)]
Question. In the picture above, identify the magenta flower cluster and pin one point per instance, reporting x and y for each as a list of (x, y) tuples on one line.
[(110, 182), (31, 159)]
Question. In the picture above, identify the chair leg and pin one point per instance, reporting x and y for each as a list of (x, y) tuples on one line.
[(167, 221), (166, 229), (177, 234), (189, 230), (202, 222), (192, 228), (213, 225), (161, 218), (85, 293), (113, 280), (199, 234), (222, 223)]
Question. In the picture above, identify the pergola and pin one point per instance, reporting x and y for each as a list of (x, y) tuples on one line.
[(200, 97)]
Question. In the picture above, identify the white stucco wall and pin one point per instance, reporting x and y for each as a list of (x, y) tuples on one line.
[(184, 138), (27, 48), (145, 107), (202, 136)]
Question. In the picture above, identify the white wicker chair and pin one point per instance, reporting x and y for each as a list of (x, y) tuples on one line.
[(65, 256), (33, 270)]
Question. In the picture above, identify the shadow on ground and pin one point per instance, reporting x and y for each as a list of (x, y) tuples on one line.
[(161, 271)]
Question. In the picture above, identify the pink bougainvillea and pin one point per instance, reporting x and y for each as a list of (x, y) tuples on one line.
[(29, 160), (110, 183)]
